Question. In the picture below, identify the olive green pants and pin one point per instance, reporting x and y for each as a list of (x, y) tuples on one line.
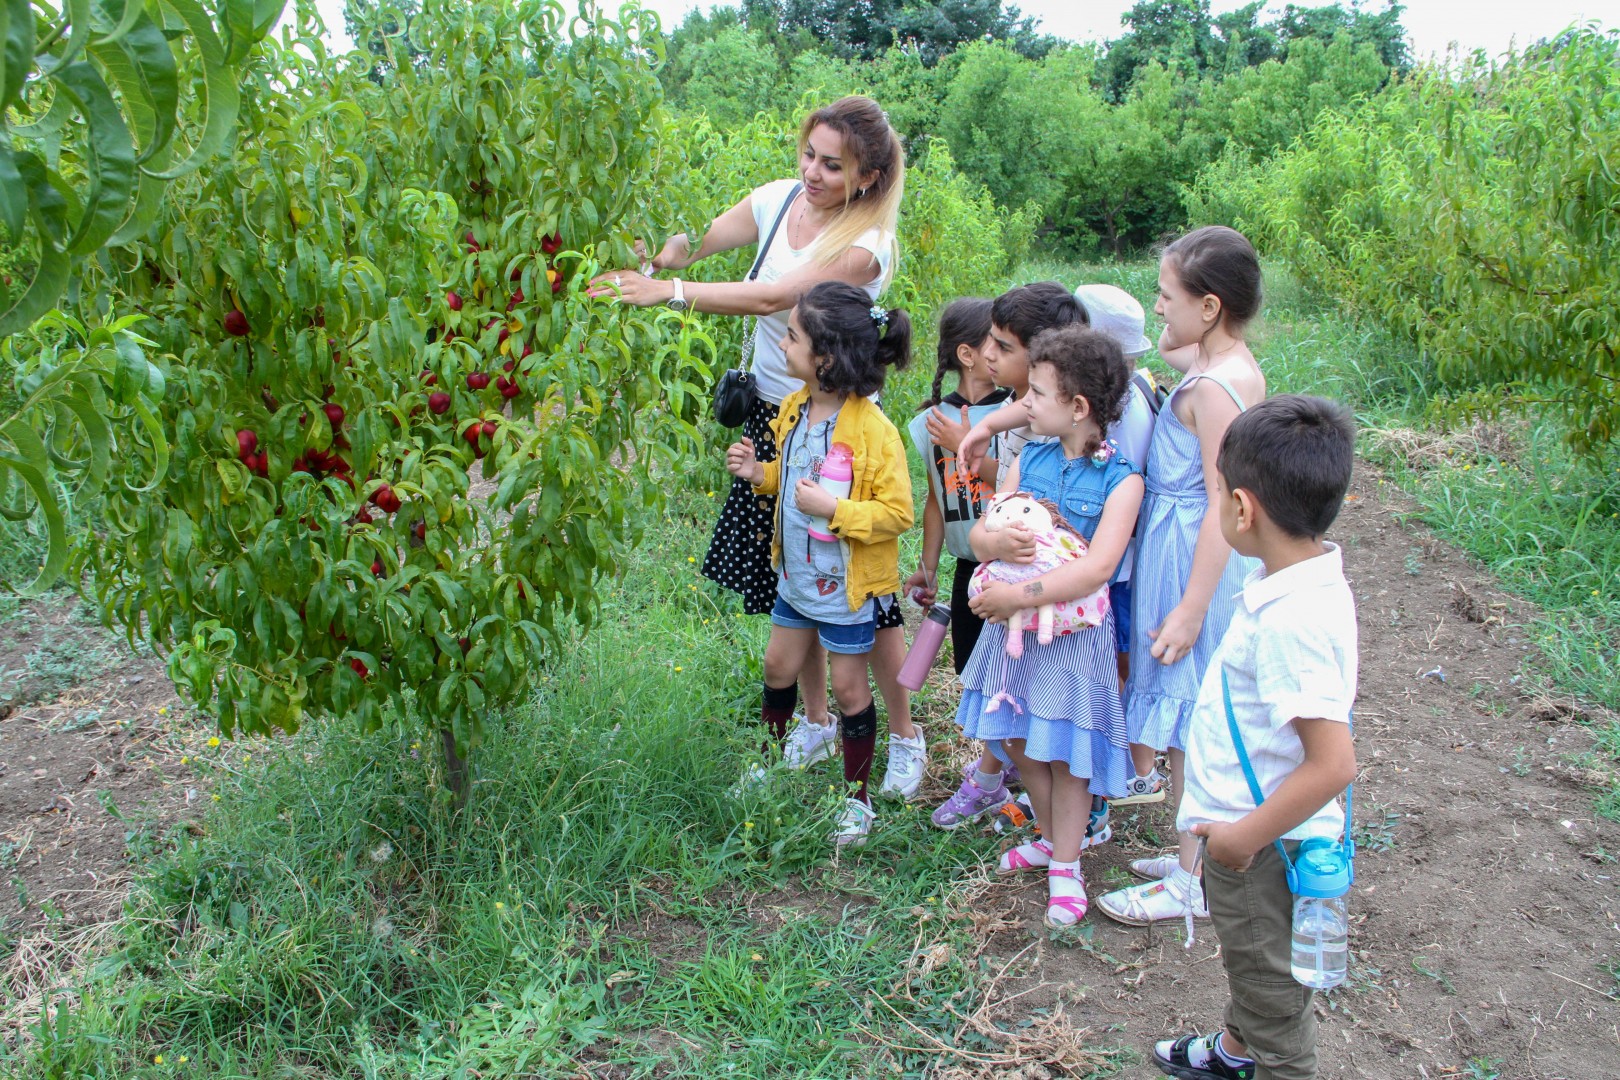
[(1270, 1013)]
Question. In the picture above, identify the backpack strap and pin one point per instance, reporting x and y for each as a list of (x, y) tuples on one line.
[(1150, 390)]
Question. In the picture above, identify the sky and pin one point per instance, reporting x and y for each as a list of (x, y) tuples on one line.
[(1433, 25)]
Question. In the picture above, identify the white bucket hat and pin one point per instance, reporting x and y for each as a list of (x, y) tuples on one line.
[(1115, 312)]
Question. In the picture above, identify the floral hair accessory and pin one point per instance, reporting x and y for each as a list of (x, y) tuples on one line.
[(1104, 453), (880, 315)]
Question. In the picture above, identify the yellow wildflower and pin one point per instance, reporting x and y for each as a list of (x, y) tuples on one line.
[(213, 740)]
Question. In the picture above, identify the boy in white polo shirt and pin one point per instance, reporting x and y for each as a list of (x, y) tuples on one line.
[(1289, 663)]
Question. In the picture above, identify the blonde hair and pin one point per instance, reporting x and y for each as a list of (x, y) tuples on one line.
[(870, 144)]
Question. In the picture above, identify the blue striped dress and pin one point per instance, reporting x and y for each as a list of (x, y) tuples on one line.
[(1068, 690), (1159, 698)]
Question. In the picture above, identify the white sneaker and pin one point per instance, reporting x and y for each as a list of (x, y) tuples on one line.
[(854, 824), (753, 778), (809, 743), (1155, 869), (904, 772), (1155, 901)]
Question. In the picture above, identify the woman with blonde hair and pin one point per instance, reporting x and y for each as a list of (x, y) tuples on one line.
[(835, 222)]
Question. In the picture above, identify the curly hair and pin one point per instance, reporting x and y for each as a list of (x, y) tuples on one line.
[(1089, 364)]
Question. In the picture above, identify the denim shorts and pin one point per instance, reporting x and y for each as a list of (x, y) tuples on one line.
[(853, 638), (1119, 598)]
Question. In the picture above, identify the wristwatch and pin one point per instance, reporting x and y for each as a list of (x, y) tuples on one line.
[(678, 301)]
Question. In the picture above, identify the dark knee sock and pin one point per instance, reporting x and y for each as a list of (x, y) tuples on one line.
[(860, 747), (774, 712)]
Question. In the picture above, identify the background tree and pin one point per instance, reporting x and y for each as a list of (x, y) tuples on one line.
[(383, 30)]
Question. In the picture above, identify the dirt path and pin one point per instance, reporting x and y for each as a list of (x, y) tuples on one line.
[(1488, 918)]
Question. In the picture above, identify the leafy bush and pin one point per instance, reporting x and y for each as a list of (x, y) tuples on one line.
[(1474, 208)]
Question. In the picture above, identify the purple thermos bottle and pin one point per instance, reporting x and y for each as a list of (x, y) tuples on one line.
[(924, 647)]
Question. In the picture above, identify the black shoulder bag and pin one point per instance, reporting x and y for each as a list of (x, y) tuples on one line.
[(734, 393)]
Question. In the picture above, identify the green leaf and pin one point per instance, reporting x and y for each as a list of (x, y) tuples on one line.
[(31, 467), (112, 158), (222, 99), (13, 195), (78, 13), (16, 49)]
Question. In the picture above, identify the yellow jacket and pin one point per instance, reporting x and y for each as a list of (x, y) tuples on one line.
[(878, 510)]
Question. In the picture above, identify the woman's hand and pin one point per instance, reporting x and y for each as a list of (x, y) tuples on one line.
[(630, 288), (740, 461), (920, 588), (813, 499), (947, 432), (673, 256), (1000, 601), (1174, 638)]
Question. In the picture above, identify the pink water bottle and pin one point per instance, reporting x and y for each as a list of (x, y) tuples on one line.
[(836, 473), (924, 647)]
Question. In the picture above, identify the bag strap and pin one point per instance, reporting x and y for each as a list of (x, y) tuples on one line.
[(1254, 783), (759, 260)]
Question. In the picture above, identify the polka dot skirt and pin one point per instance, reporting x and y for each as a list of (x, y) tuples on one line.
[(739, 556)]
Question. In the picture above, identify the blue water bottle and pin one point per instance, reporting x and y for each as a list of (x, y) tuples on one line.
[(1321, 886)]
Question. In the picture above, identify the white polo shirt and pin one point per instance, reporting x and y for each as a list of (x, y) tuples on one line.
[(1290, 652)]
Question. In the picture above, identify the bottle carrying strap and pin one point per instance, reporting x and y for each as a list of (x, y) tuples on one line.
[(759, 260), (1259, 796)]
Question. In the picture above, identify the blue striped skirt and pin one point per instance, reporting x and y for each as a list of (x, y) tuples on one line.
[(1064, 702)]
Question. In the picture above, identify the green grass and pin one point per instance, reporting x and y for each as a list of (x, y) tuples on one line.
[(337, 915)]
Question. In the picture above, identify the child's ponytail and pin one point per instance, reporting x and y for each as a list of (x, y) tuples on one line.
[(894, 341)]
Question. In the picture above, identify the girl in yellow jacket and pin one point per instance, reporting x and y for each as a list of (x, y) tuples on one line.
[(837, 557)]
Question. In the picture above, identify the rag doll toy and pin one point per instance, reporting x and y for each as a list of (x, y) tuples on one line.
[(1056, 542)]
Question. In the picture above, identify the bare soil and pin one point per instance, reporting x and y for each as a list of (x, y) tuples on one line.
[(1487, 913), (90, 740)]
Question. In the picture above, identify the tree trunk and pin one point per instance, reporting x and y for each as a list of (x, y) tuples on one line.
[(456, 772)]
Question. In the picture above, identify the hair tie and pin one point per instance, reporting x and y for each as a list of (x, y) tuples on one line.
[(880, 316)]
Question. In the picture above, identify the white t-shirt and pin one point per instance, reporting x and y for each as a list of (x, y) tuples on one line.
[(769, 364), (1289, 653)]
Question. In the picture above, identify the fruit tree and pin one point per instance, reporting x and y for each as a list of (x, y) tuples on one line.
[(403, 443)]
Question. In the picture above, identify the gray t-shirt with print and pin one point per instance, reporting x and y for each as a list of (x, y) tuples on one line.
[(814, 571)]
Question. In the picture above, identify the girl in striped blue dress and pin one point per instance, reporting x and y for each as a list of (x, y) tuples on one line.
[(1065, 725), (1187, 577)]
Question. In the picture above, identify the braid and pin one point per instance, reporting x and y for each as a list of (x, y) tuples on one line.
[(935, 397)]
